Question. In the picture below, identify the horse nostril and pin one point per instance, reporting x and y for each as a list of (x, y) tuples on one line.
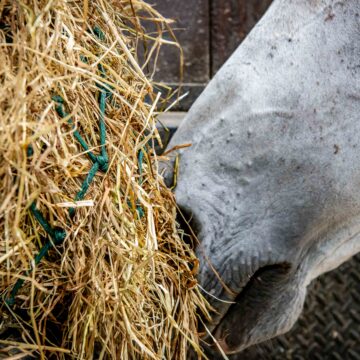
[(272, 273)]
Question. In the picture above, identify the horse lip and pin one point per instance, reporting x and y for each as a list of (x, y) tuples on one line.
[(219, 334), (216, 331), (214, 325)]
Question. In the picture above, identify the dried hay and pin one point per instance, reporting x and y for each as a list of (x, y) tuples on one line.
[(121, 282)]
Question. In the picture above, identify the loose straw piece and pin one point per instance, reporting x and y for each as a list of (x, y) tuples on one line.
[(125, 48)]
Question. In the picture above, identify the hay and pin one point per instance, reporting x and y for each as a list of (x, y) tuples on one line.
[(121, 282)]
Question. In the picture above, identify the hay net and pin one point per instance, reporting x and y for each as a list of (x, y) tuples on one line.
[(91, 260)]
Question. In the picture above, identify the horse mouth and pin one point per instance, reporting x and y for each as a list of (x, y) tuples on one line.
[(233, 331)]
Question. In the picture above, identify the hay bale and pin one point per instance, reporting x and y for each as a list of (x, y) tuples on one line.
[(91, 260)]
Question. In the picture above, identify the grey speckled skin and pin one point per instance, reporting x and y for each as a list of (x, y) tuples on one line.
[(273, 176)]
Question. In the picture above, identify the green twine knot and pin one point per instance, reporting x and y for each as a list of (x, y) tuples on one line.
[(29, 151), (99, 33), (57, 99), (103, 162), (10, 301), (58, 235)]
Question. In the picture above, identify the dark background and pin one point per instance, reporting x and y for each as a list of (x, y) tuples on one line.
[(208, 31)]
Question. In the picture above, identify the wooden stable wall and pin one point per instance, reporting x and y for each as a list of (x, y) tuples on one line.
[(209, 31)]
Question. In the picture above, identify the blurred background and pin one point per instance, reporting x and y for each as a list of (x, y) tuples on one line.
[(209, 31)]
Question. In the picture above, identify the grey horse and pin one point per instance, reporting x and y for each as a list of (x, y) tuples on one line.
[(272, 179)]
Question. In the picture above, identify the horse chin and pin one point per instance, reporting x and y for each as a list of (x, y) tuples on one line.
[(268, 306)]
